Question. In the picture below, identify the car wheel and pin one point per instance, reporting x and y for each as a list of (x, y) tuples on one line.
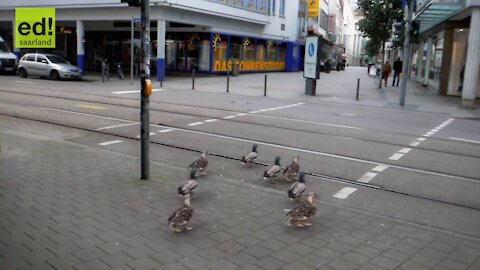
[(22, 72), (54, 75)]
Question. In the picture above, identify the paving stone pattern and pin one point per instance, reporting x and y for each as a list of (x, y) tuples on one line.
[(64, 206)]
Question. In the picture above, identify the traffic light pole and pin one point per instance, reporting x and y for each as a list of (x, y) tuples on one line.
[(145, 100), (406, 54)]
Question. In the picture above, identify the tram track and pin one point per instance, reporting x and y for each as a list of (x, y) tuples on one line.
[(314, 174), (236, 120)]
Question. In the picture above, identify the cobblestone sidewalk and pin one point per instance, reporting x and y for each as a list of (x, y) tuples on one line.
[(65, 206)]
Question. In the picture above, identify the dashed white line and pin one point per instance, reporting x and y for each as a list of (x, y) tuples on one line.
[(263, 110), (254, 112), (421, 139), (415, 143), (380, 168), (405, 150), (165, 130), (426, 135), (110, 142), (195, 124), (151, 133), (210, 120), (241, 114), (464, 140), (115, 126), (229, 117), (344, 192), (367, 177), (396, 156)]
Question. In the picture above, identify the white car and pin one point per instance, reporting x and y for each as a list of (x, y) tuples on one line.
[(47, 65)]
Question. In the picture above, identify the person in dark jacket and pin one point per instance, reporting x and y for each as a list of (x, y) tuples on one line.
[(397, 69)]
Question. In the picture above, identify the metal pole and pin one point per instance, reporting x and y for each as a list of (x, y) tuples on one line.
[(358, 87), (406, 54), (265, 86), (306, 19), (145, 101), (193, 79), (228, 81), (132, 25)]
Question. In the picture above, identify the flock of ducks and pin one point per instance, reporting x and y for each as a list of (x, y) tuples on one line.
[(299, 216)]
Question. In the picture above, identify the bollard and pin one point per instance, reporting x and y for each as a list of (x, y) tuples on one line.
[(228, 81), (265, 86), (161, 83), (358, 86), (193, 79)]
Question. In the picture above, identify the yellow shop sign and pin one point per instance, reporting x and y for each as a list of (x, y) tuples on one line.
[(249, 65), (35, 27)]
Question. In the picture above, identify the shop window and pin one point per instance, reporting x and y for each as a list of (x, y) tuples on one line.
[(262, 6), (271, 51), (248, 49), (282, 52), (260, 50), (219, 47), (238, 3), (236, 46)]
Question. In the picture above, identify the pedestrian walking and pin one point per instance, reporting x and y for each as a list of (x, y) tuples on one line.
[(386, 70), (369, 63), (105, 70), (397, 70)]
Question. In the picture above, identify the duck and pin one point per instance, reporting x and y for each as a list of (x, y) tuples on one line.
[(300, 216), (180, 219), (296, 189), (272, 172), (249, 160), (187, 186), (290, 173), (201, 164)]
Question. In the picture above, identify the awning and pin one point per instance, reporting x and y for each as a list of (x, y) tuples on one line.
[(433, 12)]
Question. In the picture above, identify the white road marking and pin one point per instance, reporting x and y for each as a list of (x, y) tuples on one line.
[(24, 82), (405, 150), (110, 142), (263, 110), (211, 120), (415, 143), (195, 124), (396, 156), (241, 114), (344, 192), (229, 117), (435, 130), (430, 133), (426, 135), (92, 115), (254, 112), (151, 133), (135, 91), (421, 139), (367, 177), (464, 140), (309, 122), (165, 130), (115, 126), (380, 168)]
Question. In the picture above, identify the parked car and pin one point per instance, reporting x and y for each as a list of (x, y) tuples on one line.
[(8, 60), (52, 66)]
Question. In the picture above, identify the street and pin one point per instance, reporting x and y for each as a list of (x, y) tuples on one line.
[(397, 187)]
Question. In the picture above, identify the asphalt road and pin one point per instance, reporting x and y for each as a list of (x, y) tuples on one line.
[(414, 166)]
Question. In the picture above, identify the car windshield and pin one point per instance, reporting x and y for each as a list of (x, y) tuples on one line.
[(57, 59), (3, 47)]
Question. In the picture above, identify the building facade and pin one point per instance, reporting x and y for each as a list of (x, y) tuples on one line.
[(447, 58), (207, 35)]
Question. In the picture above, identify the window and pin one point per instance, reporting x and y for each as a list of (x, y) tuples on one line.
[(40, 58), (30, 57), (274, 7), (281, 10)]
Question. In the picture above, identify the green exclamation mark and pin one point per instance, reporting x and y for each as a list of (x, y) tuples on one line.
[(50, 22)]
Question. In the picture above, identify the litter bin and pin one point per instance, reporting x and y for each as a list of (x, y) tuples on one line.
[(235, 68)]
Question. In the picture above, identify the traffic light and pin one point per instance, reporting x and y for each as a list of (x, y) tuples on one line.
[(414, 31), (132, 3), (399, 32)]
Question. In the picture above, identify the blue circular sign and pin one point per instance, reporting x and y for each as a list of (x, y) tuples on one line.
[(311, 49)]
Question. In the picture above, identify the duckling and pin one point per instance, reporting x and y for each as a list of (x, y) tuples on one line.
[(296, 189), (290, 173), (300, 215), (249, 160), (187, 186), (180, 219), (201, 164), (272, 172)]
